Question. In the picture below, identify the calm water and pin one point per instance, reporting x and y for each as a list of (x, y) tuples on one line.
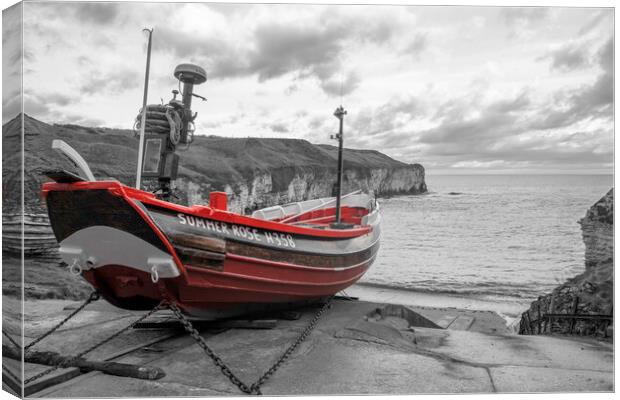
[(498, 238)]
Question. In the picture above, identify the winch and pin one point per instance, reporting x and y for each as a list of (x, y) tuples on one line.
[(168, 128)]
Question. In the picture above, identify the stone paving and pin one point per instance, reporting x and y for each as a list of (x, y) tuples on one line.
[(355, 350)]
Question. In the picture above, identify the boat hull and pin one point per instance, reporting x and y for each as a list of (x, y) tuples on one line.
[(133, 248)]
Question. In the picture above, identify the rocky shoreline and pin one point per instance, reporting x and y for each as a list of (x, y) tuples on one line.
[(589, 294)]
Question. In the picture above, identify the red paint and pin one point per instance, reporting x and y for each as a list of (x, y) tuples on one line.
[(121, 190), (218, 200), (240, 283)]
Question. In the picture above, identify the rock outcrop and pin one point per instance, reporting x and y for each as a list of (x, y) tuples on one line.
[(590, 293)]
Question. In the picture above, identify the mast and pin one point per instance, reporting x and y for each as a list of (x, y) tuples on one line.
[(143, 121), (339, 113)]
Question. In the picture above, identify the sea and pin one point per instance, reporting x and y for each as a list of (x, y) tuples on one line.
[(501, 240)]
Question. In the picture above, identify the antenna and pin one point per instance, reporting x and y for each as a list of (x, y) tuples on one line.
[(341, 85), (146, 92), (190, 75), (339, 113)]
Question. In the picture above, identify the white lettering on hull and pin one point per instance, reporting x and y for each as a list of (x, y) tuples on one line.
[(243, 232)]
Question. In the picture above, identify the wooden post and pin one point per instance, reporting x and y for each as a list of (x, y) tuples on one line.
[(111, 368)]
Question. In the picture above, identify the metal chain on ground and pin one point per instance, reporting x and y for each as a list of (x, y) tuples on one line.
[(94, 296), (93, 347), (255, 387), (11, 340), (11, 374), (201, 342)]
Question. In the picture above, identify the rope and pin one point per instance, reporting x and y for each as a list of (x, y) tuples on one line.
[(161, 119)]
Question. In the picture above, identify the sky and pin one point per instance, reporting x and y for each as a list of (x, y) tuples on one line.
[(457, 89)]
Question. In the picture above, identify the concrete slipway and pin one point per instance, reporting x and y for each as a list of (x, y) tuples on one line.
[(353, 350)]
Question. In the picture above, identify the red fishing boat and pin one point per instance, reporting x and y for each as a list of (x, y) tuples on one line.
[(135, 247), (126, 242)]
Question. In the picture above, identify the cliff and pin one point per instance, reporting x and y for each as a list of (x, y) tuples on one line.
[(259, 173), (255, 172), (591, 292)]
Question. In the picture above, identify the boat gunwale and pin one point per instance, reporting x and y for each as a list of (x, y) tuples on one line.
[(121, 190)]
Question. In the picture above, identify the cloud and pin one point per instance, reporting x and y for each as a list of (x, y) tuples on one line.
[(311, 49), (586, 102), (285, 48), (81, 120), (48, 106), (595, 21), (569, 57), (385, 119), (316, 122), (524, 15), (114, 82), (496, 134), (11, 24), (514, 105), (279, 127), (40, 107), (460, 132), (11, 62), (606, 56), (407, 77), (99, 13), (340, 86), (36, 106), (522, 21), (185, 44), (59, 99), (503, 133), (417, 45), (10, 108)]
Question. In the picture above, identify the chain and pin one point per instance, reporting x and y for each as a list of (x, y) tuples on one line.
[(10, 374), (255, 387), (12, 340), (201, 342), (226, 371), (94, 296), (70, 361)]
